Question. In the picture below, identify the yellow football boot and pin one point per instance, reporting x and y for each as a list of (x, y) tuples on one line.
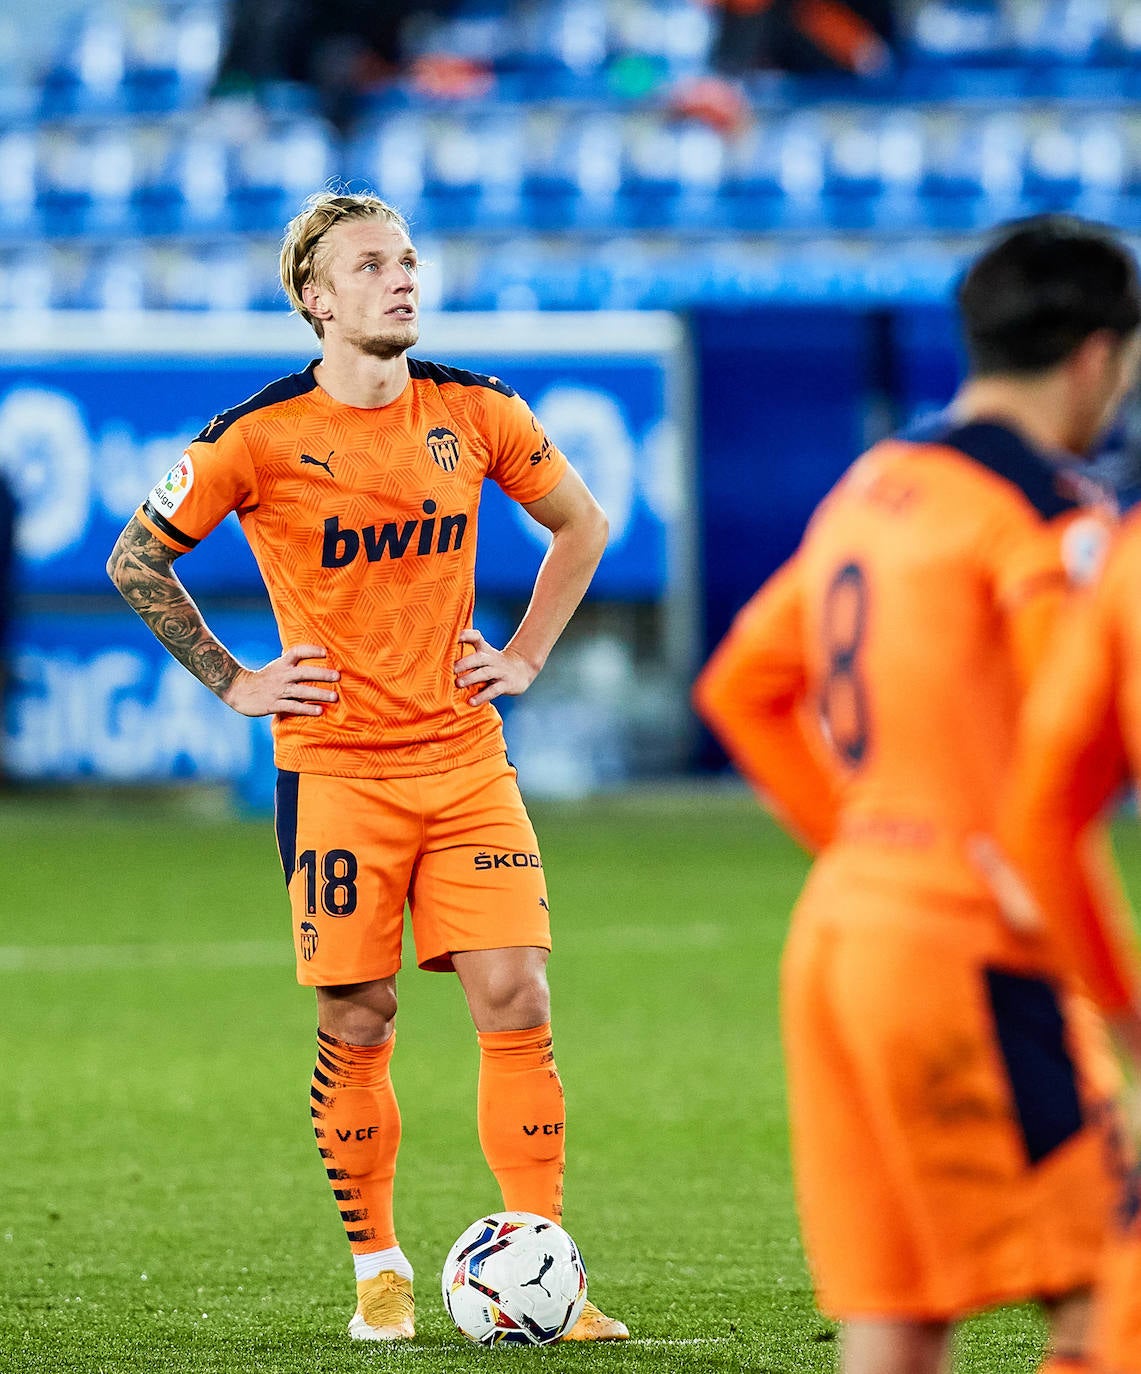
[(385, 1309), (594, 1325)]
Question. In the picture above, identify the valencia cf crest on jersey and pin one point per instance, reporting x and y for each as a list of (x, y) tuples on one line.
[(444, 447)]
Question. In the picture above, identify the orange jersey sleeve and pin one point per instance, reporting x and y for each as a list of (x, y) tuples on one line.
[(1036, 566), (524, 462), (1069, 762), (752, 695), (208, 482)]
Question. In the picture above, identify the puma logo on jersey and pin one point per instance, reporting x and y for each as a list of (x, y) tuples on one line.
[(341, 545), (318, 462)]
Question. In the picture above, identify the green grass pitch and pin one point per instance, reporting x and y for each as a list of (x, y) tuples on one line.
[(162, 1204)]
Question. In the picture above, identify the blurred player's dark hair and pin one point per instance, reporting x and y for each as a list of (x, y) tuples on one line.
[(1041, 289)]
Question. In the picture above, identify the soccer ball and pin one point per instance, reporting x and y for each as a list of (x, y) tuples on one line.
[(514, 1278)]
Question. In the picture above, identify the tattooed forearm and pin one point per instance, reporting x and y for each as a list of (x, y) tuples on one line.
[(141, 566)]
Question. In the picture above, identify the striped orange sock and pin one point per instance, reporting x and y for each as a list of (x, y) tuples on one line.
[(356, 1120), (522, 1119)]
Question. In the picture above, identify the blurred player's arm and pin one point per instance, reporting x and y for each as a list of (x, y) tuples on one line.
[(1069, 764), (142, 567), (753, 696), (1068, 761), (1038, 568), (579, 530)]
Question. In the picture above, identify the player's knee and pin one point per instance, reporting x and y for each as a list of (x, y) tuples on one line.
[(516, 1002), (1069, 1319), (533, 1005), (358, 1013)]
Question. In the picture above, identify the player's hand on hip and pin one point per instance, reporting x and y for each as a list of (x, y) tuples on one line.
[(286, 687), (495, 672)]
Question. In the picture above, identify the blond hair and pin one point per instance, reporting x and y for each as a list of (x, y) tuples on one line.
[(301, 258)]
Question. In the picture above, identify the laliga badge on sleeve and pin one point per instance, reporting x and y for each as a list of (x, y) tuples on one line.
[(1084, 544), (170, 491)]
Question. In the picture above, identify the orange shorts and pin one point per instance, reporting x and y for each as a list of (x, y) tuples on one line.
[(458, 847), (950, 1120)]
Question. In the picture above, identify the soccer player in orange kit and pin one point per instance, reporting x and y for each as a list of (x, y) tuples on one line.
[(357, 482), (1079, 744), (946, 1106)]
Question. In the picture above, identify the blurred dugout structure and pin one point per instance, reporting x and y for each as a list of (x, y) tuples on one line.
[(541, 151)]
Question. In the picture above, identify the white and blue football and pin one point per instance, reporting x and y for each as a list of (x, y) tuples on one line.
[(514, 1278)]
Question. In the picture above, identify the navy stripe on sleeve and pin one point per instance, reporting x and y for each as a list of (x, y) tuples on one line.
[(162, 523), (421, 370), (284, 389)]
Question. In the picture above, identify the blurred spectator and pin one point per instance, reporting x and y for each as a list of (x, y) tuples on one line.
[(338, 48), (803, 37), (806, 37)]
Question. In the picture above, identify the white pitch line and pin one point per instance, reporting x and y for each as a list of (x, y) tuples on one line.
[(404, 1350), (676, 1340), (222, 954)]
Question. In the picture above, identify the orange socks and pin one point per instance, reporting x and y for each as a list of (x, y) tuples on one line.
[(357, 1124), (522, 1119)]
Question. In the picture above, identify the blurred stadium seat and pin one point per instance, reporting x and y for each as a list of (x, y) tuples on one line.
[(994, 110)]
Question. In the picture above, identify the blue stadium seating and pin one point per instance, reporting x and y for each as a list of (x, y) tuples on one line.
[(995, 110)]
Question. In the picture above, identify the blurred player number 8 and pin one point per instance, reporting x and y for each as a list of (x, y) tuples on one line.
[(843, 696)]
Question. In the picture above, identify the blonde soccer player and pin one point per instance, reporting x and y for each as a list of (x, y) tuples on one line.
[(357, 482)]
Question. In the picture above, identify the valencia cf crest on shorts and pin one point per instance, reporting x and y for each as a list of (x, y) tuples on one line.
[(444, 447), (309, 940)]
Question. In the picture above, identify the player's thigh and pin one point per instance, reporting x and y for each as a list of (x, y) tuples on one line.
[(348, 847), (479, 883)]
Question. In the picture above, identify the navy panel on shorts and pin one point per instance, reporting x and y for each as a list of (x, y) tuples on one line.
[(285, 819), (1031, 1036)]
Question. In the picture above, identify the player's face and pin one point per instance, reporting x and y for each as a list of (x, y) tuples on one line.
[(370, 285)]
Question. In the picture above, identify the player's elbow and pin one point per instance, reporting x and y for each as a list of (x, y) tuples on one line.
[(114, 563), (591, 531), (602, 523), (597, 528)]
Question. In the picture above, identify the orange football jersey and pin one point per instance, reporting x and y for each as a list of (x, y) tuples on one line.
[(871, 687), (363, 523)]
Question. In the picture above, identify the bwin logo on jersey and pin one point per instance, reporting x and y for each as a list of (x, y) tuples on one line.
[(342, 544), (444, 446)]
